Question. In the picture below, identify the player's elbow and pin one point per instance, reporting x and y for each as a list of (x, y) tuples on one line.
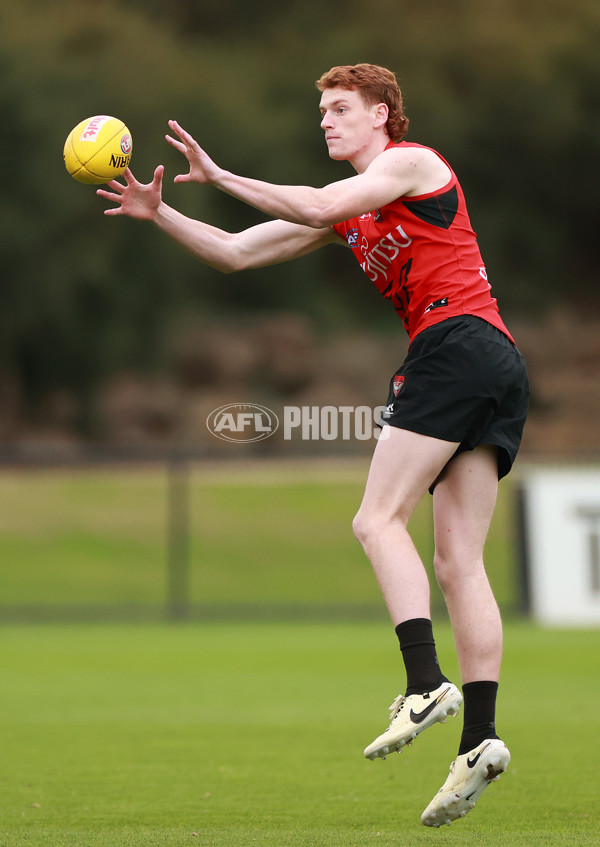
[(224, 264), (230, 265), (232, 255), (320, 215), (237, 256), (317, 209)]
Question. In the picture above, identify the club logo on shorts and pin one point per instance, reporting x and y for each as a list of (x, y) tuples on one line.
[(397, 384)]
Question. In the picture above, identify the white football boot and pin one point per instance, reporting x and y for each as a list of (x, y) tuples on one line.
[(470, 774), (411, 715)]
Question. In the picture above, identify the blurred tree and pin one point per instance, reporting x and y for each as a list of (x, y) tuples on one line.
[(508, 91), (80, 297)]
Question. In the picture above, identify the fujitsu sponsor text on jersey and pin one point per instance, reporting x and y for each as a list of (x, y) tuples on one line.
[(379, 259)]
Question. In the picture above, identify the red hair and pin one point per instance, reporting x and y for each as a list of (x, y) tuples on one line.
[(376, 85)]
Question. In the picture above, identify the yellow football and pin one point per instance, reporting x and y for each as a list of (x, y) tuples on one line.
[(98, 150)]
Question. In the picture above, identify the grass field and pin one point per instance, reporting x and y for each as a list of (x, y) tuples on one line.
[(264, 534), (233, 734)]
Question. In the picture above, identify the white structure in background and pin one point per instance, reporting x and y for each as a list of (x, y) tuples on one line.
[(561, 544)]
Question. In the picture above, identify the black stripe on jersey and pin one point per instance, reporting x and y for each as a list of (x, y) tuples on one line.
[(437, 211)]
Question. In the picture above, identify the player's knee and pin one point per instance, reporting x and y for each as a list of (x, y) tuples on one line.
[(364, 527), (453, 568), (370, 526), (443, 569), (359, 527)]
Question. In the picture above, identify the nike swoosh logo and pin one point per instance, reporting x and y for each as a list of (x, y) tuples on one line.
[(419, 717), (472, 762)]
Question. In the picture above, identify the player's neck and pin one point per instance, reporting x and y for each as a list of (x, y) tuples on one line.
[(363, 158)]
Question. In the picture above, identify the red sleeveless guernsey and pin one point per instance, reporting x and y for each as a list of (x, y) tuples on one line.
[(422, 254)]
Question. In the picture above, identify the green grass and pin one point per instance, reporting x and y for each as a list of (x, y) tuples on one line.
[(228, 735), (235, 733), (265, 534)]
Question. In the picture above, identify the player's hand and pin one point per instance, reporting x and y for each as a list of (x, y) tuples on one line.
[(202, 167), (134, 199)]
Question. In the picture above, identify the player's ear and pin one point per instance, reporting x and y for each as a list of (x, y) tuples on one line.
[(381, 114)]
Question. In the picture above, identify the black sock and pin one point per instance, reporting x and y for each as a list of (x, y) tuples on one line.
[(479, 714), (420, 657)]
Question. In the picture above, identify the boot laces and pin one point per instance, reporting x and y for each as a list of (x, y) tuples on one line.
[(397, 707)]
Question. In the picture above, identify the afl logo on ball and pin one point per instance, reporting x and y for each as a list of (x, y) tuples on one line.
[(126, 144), (397, 384)]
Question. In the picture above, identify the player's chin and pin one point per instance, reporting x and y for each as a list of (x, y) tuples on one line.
[(336, 153)]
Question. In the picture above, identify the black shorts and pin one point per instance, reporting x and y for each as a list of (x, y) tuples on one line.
[(463, 380)]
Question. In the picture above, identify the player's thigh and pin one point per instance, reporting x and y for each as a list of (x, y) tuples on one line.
[(404, 465), (464, 499)]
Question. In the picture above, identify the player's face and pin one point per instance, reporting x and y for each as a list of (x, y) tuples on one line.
[(347, 122)]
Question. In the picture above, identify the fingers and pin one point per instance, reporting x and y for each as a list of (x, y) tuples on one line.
[(116, 186), (134, 199), (114, 198), (176, 127), (185, 136), (178, 145), (158, 176), (108, 195)]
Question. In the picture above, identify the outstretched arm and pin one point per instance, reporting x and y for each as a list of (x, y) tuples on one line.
[(393, 173), (268, 243)]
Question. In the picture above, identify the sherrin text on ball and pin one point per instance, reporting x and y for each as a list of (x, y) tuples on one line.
[(98, 149)]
